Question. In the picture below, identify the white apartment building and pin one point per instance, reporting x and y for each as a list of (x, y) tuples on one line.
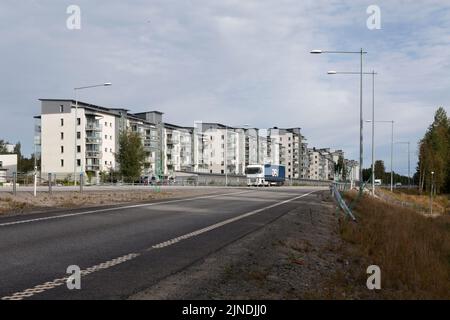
[(179, 149), (352, 167), (85, 139), (288, 148), (321, 164), (8, 165)]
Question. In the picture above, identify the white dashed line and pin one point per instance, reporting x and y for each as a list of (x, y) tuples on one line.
[(111, 263)]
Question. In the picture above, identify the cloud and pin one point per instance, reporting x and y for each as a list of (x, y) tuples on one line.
[(232, 62)]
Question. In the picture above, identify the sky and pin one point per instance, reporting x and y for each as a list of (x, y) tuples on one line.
[(235, 62)]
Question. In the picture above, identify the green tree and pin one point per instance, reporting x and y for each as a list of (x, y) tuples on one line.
[(340, 168), (434, 154), (380, 169), (131, 155)]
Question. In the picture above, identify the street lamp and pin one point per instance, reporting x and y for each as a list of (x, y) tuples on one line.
[(409, 163), (392, 148), (106, 84), (361, 53), (373, 73), (226, 150)]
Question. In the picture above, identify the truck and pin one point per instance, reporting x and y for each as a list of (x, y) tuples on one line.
[(265, 175)]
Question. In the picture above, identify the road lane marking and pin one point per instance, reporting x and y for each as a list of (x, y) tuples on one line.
[(111, 263), (223, 223), (115, 209), (61, 281)]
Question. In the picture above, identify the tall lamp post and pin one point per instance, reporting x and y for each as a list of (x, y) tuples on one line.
[(373, 73), (106, 84), (409, 162), (361, 53), (226, 150), (392, 148)]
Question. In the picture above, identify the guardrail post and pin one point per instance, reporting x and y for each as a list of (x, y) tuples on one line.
[(50, 183), (15, 183)]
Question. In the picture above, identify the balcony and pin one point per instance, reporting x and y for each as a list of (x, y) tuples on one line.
[(93, 140), (93, 127), (93, 154), (93, 167)]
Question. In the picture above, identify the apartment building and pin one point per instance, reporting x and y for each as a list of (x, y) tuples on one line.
[(219, 148), (321, 164), (8, 165), (287, 147), (78, 137), (178, 155), (352, 167)]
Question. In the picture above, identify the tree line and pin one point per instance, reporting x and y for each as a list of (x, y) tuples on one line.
[(385, 176), (434, 155)]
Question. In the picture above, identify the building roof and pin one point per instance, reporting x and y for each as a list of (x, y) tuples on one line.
[(110, 111)]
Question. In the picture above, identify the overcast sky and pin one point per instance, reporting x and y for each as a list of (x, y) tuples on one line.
[(234, 62)]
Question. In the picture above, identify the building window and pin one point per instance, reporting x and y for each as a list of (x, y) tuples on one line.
[(106, 124), (106, 149), (78, 162), (62, 122), (78, 121), (1, 164), (62, 135), (222, 171), (78, 135), (62, 149), (61, 108), (110, 137), (106, 137), (62, 162), (110, 150), (78, 149), (110, 124)]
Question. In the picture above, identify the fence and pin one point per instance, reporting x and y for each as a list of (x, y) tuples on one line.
[(51, 180), (336, 189)]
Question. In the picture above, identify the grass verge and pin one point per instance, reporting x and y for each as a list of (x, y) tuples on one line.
[(412, 250)]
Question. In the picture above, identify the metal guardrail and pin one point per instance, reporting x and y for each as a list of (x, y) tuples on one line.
[(335, 190)]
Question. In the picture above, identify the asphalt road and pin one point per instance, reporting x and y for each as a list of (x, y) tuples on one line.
[(124, 249)]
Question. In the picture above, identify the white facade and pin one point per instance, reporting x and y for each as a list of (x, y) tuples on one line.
[(85, 139), (8, 163), (88, 143)]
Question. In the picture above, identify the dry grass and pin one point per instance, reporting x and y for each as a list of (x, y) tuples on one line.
[(25, 202), (412, 251), (441, 203)]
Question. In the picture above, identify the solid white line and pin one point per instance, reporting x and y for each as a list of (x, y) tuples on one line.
[(114, 209), (111, 263)]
